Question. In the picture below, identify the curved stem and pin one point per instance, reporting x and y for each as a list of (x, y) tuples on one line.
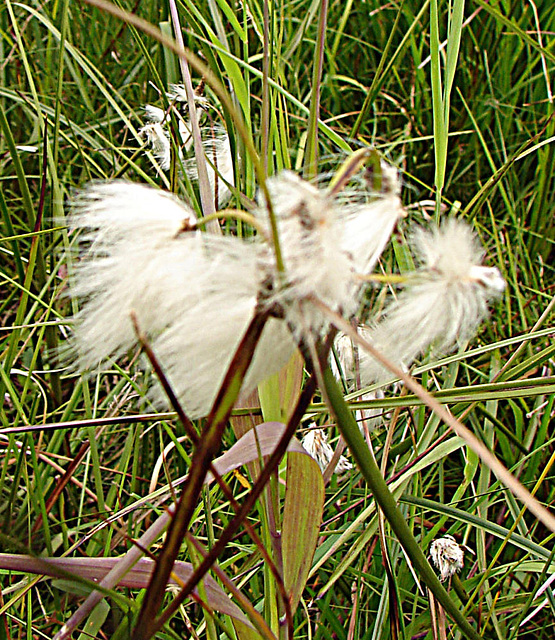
[(371, 472)]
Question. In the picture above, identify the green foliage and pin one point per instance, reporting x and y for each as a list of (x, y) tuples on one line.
[(83, 470)]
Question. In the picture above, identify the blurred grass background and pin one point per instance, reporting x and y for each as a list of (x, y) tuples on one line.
[(73, 81)]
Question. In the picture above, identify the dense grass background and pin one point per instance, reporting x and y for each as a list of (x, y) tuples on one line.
[(73, 81)]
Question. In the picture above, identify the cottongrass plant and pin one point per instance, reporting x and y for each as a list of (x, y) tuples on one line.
[(448, 556), (129, 234), (194, 294), (216, 142), (315, 441), (443, 303)]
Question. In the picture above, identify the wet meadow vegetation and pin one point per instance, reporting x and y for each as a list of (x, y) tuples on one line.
[(276, 319)]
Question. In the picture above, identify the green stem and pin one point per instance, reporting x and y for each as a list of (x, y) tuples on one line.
[(311, 160), (371, 472)]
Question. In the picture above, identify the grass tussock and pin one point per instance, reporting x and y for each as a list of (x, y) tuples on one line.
[(458, 99)]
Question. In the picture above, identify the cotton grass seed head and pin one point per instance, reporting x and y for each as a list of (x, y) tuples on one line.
[(158, 139), (127, 236), (344, 359), (447, 556), (309, 228), (215, 141), (316, 444), (443, 303), (209, 317), (194, 294), (367, 227), (178, 94), (155, 115), (317, 237)]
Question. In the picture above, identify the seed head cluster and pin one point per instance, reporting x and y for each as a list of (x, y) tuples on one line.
[(316, 443), (194, 294)]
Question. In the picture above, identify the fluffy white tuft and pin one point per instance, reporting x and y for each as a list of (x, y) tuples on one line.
[(199, 344), (158, 139), (345, 366), (155, 114), (131, 212), (195, 294), (445, 304), (447, 555), (219, 165), (368, 227), (208, 319), (178, 93), (316, 444), (129, 233), (316, 265)]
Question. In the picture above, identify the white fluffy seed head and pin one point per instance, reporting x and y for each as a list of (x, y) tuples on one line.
[(197, 347), (447, 556), (367, 227), (346, 364), (219, 163), (158, 139), (315, 263), (128, 234), (316, 444), (120, 211), (206, 328), (453, 253), (444, 305), (178, 93)]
